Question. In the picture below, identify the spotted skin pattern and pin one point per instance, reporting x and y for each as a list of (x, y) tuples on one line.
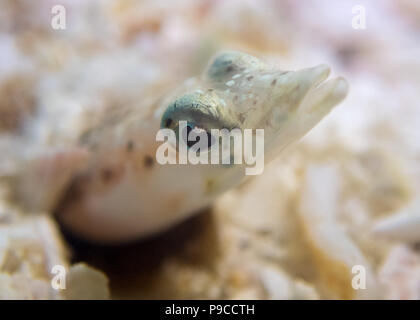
[(118, 192)]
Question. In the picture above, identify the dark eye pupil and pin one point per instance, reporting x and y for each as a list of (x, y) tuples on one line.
[(168, 122), (189, 143), (209, 140)]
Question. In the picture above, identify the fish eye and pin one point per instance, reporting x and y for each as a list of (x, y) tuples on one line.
[(200, 135), (222, 67), (200, 113), (230, 63)]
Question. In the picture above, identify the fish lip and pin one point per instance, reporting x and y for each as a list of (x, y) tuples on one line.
[(324, 93), (320, 74), (320, 80)]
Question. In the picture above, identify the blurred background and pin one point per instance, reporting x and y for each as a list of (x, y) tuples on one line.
[(347, 195)]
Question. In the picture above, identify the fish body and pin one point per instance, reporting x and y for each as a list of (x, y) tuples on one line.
[(104, 182)]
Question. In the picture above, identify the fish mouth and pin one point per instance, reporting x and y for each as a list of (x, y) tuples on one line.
[(318, 74), (323, 93), (317, 97), (308, 89)]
